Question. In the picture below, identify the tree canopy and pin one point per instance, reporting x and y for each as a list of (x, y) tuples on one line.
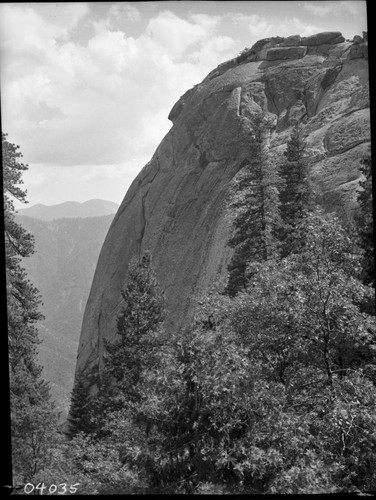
[(271, 389)]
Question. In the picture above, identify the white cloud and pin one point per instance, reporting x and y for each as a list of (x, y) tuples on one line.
[(263, 27), (85, 104), (78, 91), (40, 28), (322, 9), (222, 46), (124, 9), (209, 23), (175, 34), (80, 182)]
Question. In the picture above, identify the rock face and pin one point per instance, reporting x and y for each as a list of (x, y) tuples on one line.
[(175, 206), (280, 53)]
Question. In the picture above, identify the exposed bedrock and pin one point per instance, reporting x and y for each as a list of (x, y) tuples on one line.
[(175, 206)]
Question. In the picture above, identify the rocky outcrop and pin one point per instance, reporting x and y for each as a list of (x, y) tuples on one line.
[(281, 53), (358, 50), (293, 40), (175, 206), (331, 37)]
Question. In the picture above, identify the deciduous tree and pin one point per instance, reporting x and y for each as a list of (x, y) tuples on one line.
[(364, 220)]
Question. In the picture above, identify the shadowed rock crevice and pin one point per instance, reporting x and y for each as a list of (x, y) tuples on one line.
[(272, 105), (143, 225), (203, 161), (330, 76)]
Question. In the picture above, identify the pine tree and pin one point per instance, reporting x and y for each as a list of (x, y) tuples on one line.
[(23, 299), (296, 196), (80, 416), (32, 413), (256, 202), (138, 336), (365, 221), (133, 351), (141, 316)]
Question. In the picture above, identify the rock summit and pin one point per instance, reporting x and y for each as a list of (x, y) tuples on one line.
[(175, 206)]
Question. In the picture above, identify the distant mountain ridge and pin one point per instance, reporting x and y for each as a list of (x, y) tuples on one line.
[(70, 209)]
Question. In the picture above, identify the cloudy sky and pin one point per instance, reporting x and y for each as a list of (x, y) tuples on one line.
[(86, 88)]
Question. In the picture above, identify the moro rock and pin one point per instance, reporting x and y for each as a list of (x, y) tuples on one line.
[(175, 206)]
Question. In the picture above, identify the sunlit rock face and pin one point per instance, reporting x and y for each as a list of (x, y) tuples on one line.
[(175, 206)]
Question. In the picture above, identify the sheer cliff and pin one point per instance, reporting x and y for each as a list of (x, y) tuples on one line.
[(174, 207)]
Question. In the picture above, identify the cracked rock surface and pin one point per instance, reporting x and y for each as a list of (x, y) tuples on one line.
[(175, 206)]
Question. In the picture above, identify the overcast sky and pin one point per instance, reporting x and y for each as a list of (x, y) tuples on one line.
[(86, 88)]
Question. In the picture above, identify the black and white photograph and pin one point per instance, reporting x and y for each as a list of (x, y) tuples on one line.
[(188, 257)]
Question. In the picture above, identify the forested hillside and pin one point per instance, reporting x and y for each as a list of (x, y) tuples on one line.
[(33, 419), (272, 388), (62, 268), (255, 219)]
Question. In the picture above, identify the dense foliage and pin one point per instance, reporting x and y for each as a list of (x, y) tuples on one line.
[(365, 221), (272, 389)]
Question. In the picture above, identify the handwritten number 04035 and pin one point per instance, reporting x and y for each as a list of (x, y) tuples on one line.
[(29, 488)]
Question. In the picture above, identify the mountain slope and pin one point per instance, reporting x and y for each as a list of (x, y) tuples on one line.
[(62, 268), (174, 207), (90, 208)]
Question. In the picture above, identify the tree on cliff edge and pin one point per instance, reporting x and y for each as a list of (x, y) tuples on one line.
[(256, 203)]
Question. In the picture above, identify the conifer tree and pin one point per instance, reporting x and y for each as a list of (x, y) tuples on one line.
[(138, 326), (133, 351), (296, 195), (80, 417), (22, 298), (141, 316), (32, 413), (256, 203)]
